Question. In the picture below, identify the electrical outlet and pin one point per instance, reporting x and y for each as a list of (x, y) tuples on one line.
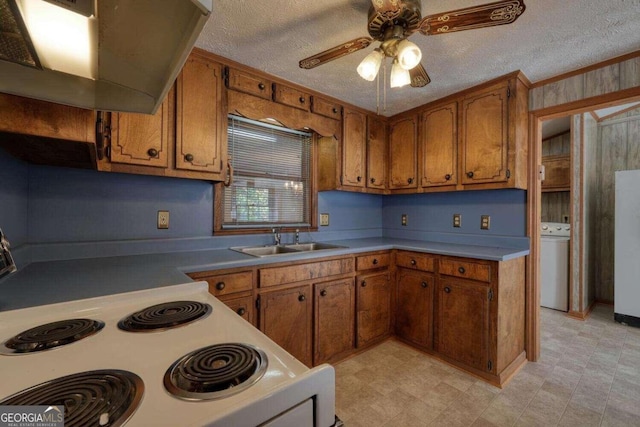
[(485, 222), (163, 219), (324, 219), (404, 220), (457, 220)]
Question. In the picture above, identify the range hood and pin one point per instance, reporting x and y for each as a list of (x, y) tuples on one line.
[(136, 49)]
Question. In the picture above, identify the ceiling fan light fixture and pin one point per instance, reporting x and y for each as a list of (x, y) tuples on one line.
[(399, 76), (409, 54), (370, 65)]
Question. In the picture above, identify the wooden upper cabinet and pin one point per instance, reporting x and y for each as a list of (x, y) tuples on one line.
[(484, 143), (141, 139), (334, 311), (291, 96), (354, 148), (557, 173), (326, 108), (373, 307), (201, 119), (414, 307), (376, 153), (439, 146), (252, 84), (403, 144)]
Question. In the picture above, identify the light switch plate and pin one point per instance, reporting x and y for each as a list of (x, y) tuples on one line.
[(485, 222), (324, 219), (163, 219), (457, 220)]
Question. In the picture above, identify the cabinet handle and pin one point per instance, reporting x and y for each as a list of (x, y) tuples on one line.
[(363, 283), (188, 157), (410, 180), (375, 261), (261, 86), (373, 180), (424, 284), (359, 178), (335, 110), (152, 152), (241, 311), (301, 99), (301, 298), (470, 174), (447, 177), (220, 286), (461, 270), (447, 290), (229, 180), (413, 262), (323, 293)]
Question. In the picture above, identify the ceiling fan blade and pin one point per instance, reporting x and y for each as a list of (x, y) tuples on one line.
[(335, 52), (386, 6), (486, 15), (419, 76)]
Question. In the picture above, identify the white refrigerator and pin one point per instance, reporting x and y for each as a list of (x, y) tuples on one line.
[(627, 248)]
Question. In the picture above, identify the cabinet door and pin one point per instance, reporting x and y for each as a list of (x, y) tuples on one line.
[(557, 173), (334, 319), (353, 148), (439, 143), (200, 118), (373, 306), (463, 322), (403, 144), (242, 306), (141, 139), (414, 307), (376, 153), (485, 139), (286, 317)]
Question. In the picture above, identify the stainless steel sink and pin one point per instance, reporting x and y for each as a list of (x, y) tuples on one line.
[(271, 250)]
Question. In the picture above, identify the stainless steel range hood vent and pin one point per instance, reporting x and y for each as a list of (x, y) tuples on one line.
[(136, 49)]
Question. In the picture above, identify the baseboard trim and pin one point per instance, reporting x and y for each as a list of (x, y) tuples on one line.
[(625, 319), (583, 315)]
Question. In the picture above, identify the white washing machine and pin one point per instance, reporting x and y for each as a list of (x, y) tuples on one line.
[(554, 265)]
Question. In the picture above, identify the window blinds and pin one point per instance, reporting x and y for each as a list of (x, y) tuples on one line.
[(271, 176)]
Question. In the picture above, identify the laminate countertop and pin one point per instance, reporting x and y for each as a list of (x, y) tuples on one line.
[(42, 283)]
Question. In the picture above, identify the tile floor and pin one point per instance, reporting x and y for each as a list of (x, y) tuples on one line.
[(588, 375)]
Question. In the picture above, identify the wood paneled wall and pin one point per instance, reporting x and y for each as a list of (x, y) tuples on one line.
[(555, 205)]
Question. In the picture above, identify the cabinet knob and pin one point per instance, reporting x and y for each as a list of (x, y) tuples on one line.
[(461, 270), (373, 180), (335, 110), (152, 152), (220, 286), (359, 178), (301, 99), (470, 174), (261, 86), (375, 261), (188, 157), (424, 284), (241, 311), (323, 293), (413, 262), (447, 290), (301, 298), (447, 177), (363, 283), (410, 180)]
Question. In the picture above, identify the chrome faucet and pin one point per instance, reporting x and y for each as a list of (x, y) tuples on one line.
[(276, 235), (297, 236)]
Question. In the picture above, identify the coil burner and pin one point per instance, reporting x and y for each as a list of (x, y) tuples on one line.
[(165, 316), (51, 335), (105, 398), (215, 372)]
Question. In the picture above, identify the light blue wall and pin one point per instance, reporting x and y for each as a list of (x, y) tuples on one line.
[(351, 215), (13, 198)]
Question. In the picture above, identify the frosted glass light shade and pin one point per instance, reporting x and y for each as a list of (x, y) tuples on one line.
[(409, 55), (399, 76), (368, 68)]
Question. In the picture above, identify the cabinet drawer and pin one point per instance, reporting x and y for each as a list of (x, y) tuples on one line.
[(298, 273), (242, 306), (289, 96), (249, 83), (366, 262), (414, 260), (326, 108), (466, 269), (225, 284)]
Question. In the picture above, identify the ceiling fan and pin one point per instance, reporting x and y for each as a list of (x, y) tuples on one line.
[(391, 22)]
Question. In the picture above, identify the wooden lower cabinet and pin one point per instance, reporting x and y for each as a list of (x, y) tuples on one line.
[(334, 311), (414, 307), (286, 316), (373, 307), (463, 322), (242, 306)]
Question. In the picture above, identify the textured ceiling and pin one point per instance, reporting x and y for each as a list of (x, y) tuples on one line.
[(550, 38)]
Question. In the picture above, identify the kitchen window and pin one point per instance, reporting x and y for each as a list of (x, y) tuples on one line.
[(271, 183)]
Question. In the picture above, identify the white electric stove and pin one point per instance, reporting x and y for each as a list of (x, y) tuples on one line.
[(281, 392)]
